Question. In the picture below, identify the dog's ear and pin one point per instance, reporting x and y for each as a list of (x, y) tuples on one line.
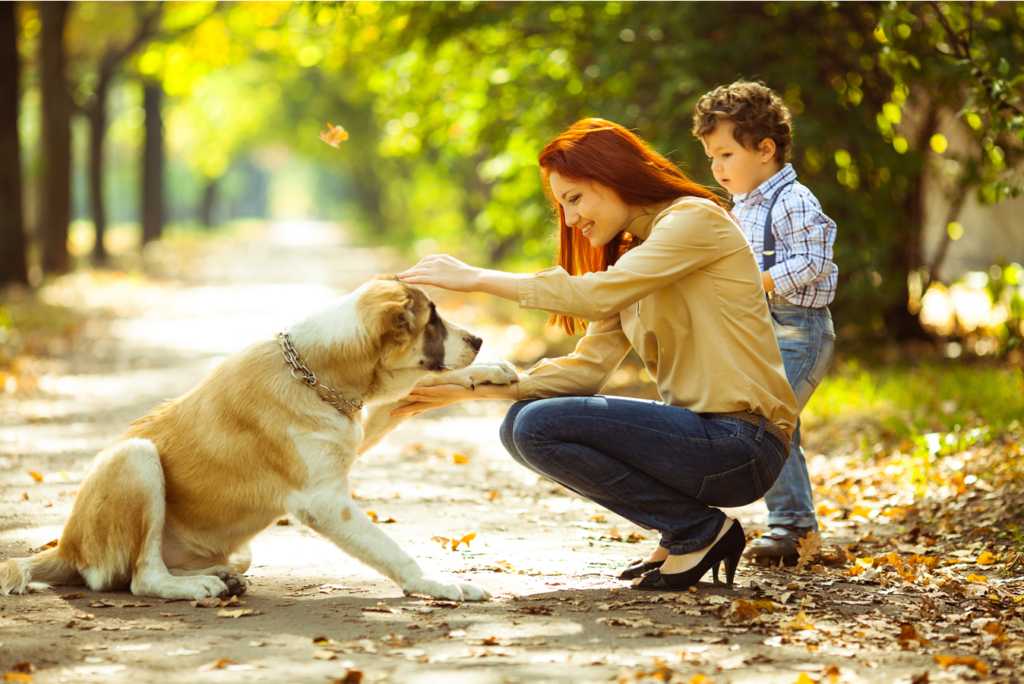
[(398, 320)]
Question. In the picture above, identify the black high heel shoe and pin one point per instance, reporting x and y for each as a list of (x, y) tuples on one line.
[(639, 569), (729, 549)]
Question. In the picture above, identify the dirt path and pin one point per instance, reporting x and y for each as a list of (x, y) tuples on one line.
[(548, 557)]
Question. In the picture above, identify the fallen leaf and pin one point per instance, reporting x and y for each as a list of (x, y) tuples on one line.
[(970, 661), (38, 477), (977, 579), (241, 612), (460, 459), (324, 654), (381, 607), (909, 633), (986, 559), (284, 521), (334, 135), (68, 597), (18, 677), (373, 516), (808, 549), (217, 665), (465, 540), (351, 677)]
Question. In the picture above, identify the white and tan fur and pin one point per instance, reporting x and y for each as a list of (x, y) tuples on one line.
[(170, 508)]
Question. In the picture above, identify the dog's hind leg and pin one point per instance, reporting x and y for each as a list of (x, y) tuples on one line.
[(121, 529), (331, 512)]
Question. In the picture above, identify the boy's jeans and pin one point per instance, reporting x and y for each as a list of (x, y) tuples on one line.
[(662, 467), (807, 341)]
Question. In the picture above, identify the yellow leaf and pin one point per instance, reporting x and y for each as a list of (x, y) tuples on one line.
[(38, 477), (859, 511), (699, 679), (977, 579), (804, 679), (460, 459), (18, 677), (986, 559), (334, 135), (465, 540), (373, 516)]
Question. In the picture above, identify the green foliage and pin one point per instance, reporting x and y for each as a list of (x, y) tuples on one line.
[(968, 56)]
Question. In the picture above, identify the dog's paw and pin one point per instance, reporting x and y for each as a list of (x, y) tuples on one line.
[(236, 584), (493, 372), (451, 591)]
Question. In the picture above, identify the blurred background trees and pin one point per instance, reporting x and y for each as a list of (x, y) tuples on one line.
[(137, 116)]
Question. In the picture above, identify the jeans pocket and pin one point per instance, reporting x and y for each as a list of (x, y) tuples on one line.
[(823, 359), (736, 487)]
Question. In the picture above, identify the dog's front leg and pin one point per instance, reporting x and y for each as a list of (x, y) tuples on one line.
[(379, 423), (331, 512)]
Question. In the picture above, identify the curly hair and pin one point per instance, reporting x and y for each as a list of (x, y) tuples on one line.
[(757, 111)]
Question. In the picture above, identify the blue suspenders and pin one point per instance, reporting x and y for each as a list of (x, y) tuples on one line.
[(768, 252)]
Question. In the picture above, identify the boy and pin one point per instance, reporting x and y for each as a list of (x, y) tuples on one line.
[(746, 132)]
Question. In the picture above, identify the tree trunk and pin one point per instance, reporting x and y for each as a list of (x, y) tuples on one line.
[(153, 166), (12, 230), (900, 323), (209, 199), (97, 132), (55, 137)]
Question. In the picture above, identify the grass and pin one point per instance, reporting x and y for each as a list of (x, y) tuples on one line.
[(893, 403)]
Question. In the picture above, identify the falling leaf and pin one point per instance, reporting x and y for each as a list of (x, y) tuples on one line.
[(334, 135), (986, 559), (38, 477)]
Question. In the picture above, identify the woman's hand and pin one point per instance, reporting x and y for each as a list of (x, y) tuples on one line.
[(436, 396), (444, 271), (448, 272)]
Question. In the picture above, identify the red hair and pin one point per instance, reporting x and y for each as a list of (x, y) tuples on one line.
[(605, 153)]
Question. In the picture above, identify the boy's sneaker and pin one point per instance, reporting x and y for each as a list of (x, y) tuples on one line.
[(779, 542)]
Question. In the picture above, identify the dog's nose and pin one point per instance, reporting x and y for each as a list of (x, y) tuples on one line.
[(475, 343)]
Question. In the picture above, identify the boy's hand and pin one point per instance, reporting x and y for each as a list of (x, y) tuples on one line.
[(766, 280)]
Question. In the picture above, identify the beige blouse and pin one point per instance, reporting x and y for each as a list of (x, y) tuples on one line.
[(689, 299)]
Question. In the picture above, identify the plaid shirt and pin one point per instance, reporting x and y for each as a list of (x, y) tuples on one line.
[(803, 272)]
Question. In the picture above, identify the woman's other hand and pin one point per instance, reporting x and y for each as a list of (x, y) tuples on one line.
[(426, 398), (444, 271)]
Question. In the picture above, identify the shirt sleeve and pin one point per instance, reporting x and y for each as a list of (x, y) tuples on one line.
[(682, 241), (585, 371), (806, 235)]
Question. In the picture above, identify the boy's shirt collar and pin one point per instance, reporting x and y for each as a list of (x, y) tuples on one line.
[(766, 190)]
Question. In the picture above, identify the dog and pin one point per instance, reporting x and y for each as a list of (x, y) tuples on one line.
[(168, 510)]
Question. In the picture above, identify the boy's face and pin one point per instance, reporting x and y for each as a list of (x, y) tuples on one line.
[(738, 169)]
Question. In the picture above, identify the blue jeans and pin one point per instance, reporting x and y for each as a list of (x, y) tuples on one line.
[(661, 467), (807, 341)]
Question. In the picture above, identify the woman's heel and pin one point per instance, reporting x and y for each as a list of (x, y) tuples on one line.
[(731, 563)]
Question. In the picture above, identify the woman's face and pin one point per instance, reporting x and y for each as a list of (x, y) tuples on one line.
[(596, 211)]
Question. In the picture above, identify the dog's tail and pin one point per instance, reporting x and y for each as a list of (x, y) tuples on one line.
[(36, 573)]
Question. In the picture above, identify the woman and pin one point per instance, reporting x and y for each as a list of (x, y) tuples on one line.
[(657, 264)]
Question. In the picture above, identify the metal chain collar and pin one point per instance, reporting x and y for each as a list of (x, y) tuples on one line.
[(308, 377)]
